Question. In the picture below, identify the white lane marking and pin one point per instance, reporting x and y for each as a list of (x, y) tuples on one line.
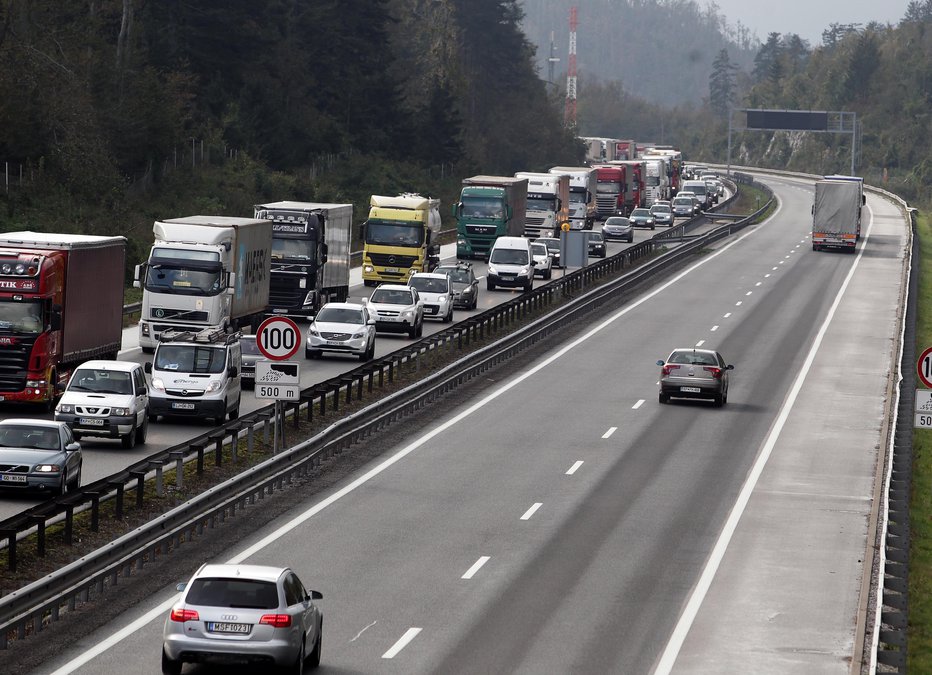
[(574, 468), (691, 610), (738, 304), (714, 328), (767, 276), (758, 283), (608, 434), (774, 269), (476, 566), (403, 641), (359, 634), (159, 611), (700, 343), (727, 314), (782, 261), (531, 511), (638, 404), (749, 292)]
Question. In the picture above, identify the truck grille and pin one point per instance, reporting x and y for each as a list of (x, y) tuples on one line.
[(392, 260), (14, 360), (481, 229), (163, 314), (284, 291), (606, 205)]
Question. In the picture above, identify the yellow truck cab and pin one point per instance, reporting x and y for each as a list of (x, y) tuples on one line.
[(400, 238)]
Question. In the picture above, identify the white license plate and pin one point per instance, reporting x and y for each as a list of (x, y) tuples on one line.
[(691, 390), (392, 270), (2, 398), (390, 318), (220, 627), (431, 310), (11, 478), (91, 421), (182, 406), (335, 343)]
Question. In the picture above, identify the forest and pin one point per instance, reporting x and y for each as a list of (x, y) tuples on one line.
[(119, 112)]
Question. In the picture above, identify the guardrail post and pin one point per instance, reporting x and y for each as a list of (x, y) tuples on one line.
[(95, 511), (69, 525), (118, 507), (218, 451), (200, 457), (10, 536), (371, 378), (178, 456), (40, 535), (140, 477), (391, 372), (234, 443), (158, 480)]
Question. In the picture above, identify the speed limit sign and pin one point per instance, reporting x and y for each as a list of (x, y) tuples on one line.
[(924, 367), (278, 338)]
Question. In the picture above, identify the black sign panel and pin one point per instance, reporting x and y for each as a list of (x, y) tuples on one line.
[(792, 120)]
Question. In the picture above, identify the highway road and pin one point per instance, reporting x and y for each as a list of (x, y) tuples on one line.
[(104, 457), (564, 521)]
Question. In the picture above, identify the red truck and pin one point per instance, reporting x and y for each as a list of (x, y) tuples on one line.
[(610, 191), (634, 188), (61, 303)]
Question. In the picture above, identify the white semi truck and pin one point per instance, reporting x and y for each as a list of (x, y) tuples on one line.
[(548, 201), (584, 183), (204, 272)]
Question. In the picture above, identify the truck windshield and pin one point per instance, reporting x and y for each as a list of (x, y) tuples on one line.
[(20, 317), (394, 234), (482, 207), (190, 358), (541, 203), (293, 249), (605, 187), (161, 278), (578, 197)]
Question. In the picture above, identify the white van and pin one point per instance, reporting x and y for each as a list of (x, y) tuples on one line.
[(511, 264), (196, 375)]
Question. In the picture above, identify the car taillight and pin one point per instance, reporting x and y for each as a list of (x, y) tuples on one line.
[(182, 615), (276, 620), (716, 372), (667, 369)]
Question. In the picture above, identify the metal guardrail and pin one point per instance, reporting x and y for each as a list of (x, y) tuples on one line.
[(25, 610)]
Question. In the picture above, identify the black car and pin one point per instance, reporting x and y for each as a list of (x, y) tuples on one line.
[(553, 245), (596, 245), (464, 282)]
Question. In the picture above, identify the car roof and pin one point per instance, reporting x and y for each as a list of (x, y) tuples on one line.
[(120, 366), (430, 275), (255, 572), (342, 305), (25, 421), (394, 287), (693, 349)]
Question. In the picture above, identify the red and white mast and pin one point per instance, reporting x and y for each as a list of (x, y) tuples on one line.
[(569, 112)]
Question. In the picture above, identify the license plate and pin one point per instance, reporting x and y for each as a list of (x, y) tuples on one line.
[(279, 311), (11, 478), (691, 390), (220, 627), (334, 343), (431, 310), (390, 318), (392, 270), (182, 406), (91, 421)]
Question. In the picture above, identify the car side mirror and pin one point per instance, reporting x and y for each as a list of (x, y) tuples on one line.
[(232, 371), (317, 595), (180, 587), (660, 362), (147, 367), (729, 367), (55, 319), (370, 322), (74, 446)]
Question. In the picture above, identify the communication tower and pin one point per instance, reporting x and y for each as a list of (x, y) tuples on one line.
[(569, 113)]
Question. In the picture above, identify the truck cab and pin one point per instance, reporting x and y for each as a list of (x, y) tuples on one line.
[(401, 237), (548, 198), (583, 187), (196, 374), (489, 207)]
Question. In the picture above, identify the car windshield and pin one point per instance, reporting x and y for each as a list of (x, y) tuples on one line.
[(456, 274), (660, 209), (29, 438), (233, 593), (540, 249), (339, 315), (391, 296), (189, 358), (618, 222), (642, 213), (394, 234), (595, 237), (685, 201), (249, 346), (482, 207), (293, 249), (508, 256), (429, 284), (693, 358), (101, 381)]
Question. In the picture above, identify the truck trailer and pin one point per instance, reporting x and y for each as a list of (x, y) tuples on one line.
[(548, 200), (489, 207), (836, 215), (310, 259), (61, 303), (204, 272), (400, 237)]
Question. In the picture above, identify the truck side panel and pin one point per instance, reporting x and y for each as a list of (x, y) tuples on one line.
[(338, 237), (517, 199), (92, 317), (251, 264)]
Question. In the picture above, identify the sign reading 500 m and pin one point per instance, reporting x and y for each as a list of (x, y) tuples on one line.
[(278, 338)]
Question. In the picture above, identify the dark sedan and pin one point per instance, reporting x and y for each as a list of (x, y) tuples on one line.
[(39, 455), (553, 246), (642, 218), (596, 245), (465, 284)]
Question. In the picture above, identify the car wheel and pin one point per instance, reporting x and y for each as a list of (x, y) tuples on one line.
[(312, 354), (718, 400), (663, 398), (652, 227), (129, 440), (449, 317), (153, 417), (366, 355), (420, 328), (475, 301), (529, 286), (170, 666), (489, 285), (143, 431), (76, 481), (548, 274), (297, 668), (234, 414), (314, 659), (62, 488)]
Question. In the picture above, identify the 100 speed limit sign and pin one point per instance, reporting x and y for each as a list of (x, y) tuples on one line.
[(278, 338)]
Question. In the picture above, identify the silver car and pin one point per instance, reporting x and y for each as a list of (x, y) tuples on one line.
[(694, 373), (618, 227), (250, 614), (663, 214), (341, 327), (397, 309), (39, 455), (543, 260)]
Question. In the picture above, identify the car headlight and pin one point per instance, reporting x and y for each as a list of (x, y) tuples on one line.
[(213, 386), (311, 330), (119, 412), (368, 269), (524, 271), (408, 314), (66, 408), (145, 328), (443, 299), (36, 383), (48, 468), (492, 270), (157, 384), (460, 240), (359, 334)]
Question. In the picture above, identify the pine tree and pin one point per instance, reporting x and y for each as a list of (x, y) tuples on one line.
[(722, 84)]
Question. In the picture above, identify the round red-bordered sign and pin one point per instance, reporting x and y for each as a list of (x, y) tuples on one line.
[(924, 367), (278, 338)]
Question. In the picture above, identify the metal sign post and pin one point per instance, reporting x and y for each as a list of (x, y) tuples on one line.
[(278, 338)]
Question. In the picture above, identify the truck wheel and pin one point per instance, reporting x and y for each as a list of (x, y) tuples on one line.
[(129, 440)]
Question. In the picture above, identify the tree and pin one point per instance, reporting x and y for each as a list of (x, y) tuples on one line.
[(722, 84)]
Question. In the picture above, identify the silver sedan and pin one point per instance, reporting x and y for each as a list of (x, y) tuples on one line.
[(694, 373), (39, 455)]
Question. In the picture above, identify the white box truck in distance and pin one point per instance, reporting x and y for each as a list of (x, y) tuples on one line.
[(836, 215), (204, 272), (548, 201), (584, 183)]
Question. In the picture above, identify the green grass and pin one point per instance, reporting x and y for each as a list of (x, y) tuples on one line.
[(919, 638)]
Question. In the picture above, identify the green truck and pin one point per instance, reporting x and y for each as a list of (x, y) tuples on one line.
[(489, 207)]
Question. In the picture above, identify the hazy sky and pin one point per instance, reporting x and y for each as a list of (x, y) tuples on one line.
[(806, 18)]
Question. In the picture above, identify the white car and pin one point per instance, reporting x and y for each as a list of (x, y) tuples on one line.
[(397, 309), (543, 263), (341, 327), (109, 399), (436, 290)]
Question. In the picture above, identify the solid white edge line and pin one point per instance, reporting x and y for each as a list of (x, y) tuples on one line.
[(476, 566), (574, 468), (691, 609), (403, 641), (608, 434), (531, 511), (281, 531)]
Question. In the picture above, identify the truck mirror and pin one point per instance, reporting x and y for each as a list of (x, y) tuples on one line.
[(137, 275), (55, 318), (323, 250), (511, 212)]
